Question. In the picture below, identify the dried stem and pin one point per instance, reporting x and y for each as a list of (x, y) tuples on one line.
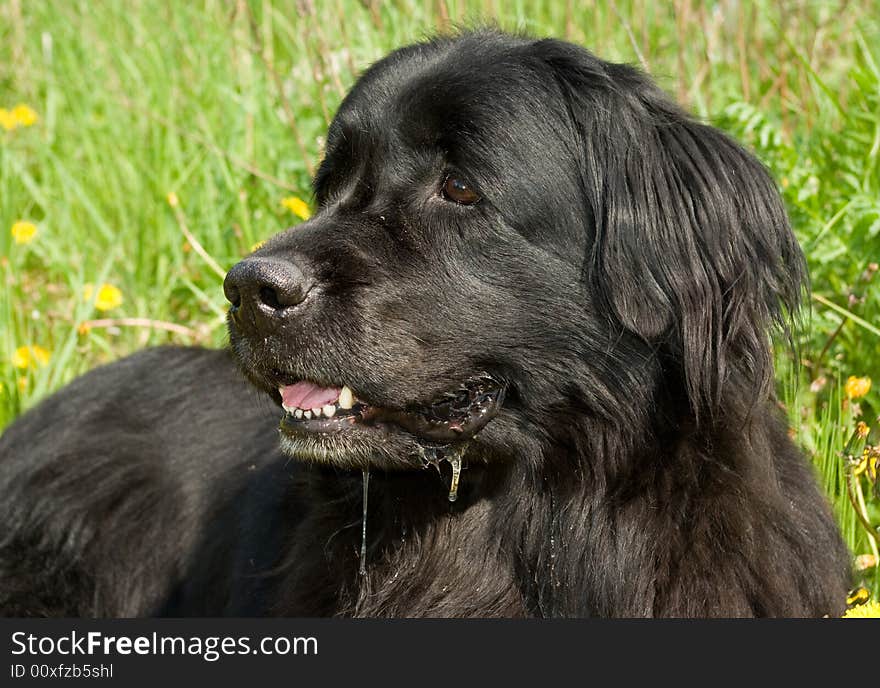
[(857, 499), (197, 247), (632, 39), (140, 322)]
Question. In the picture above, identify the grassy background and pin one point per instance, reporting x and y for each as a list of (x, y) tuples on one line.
[(224, 105)]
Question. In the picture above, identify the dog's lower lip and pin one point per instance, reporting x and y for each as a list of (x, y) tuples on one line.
[(294, 426), (457, 416)]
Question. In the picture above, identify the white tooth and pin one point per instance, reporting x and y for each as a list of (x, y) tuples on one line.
[(329, 410), (316, 412), (346, 398), (307, 414), (298, 413)]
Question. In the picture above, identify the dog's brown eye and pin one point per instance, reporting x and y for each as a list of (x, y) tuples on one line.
[(455, 189)]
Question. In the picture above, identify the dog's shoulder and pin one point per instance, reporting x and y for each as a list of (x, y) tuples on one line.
[(128, 463)]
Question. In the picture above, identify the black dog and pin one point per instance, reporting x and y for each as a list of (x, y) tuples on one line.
[(527, 263)]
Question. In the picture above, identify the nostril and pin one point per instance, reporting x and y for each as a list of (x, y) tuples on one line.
[(232, 295), (231, 285), (269, 297)]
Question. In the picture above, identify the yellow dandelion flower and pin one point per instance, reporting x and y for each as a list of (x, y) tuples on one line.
[(862, 464), (857, 596), (172, 199), (83, 328), (22, 384), (30, 357), (107, 297), (856, 387), (869, 610), (23, 232), (873, 463), (297, 206), (862, 429), (7, 120), (24, 115), (22, 357)]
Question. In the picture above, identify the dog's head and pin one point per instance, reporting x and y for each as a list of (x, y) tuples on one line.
[(512, 236)]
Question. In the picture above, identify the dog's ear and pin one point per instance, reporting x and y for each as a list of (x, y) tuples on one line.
[(691, 248)]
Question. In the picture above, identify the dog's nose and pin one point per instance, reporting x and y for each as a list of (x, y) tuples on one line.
[(261, 289)]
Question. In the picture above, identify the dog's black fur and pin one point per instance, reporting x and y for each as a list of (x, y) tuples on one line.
[(619, 276)]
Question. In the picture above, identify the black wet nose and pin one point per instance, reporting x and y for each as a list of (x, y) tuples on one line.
[(261, 289)]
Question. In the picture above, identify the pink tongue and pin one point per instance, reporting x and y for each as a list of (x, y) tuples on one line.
[(306, 395)]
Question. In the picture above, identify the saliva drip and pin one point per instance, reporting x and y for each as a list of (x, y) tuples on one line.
[(363, 567), (433, 455), (455, 462)]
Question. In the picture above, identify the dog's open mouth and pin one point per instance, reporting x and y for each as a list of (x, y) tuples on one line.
[(457, 415)]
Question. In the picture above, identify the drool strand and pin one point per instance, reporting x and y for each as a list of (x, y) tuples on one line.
[(363, 567), (455, 462)]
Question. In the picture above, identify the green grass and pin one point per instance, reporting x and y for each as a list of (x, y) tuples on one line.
[(225, 104)]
